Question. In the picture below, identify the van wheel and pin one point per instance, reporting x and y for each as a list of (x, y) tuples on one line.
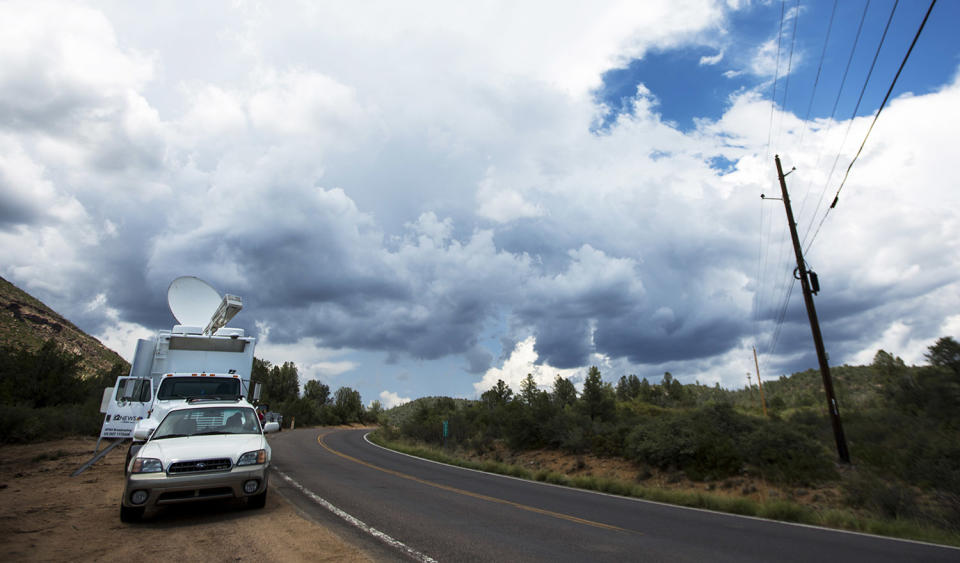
[(257, 501), (131, 514)]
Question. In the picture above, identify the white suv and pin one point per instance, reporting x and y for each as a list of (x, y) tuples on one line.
[(207, 449)]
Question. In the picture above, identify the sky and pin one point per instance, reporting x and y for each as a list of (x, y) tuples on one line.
[(421, 198)]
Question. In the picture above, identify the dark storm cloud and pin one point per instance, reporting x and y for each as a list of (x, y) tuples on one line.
[(563, 342), (641, 341), (410, 209), (15, 210)]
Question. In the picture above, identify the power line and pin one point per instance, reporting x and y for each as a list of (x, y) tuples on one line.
[(846, 134), (893, 83), (813, 94), (816, 80), (786, 81), (833, 113), (776, 76)]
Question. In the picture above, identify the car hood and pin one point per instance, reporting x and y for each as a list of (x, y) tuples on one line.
[(187, 448)]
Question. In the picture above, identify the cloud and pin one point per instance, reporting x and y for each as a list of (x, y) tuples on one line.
[(523, 360), (438, 191), (313, 360), (711, 60), (389, 399)]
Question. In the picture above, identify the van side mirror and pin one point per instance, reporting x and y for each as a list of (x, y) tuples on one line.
[(271, 427)]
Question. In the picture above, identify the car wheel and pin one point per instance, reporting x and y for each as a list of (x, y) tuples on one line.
[(131, 514), (257, 501)]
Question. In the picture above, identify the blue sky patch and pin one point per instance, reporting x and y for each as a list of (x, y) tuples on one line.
[(686, 89)]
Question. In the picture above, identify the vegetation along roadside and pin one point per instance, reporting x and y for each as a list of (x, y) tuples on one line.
[(708, 447)]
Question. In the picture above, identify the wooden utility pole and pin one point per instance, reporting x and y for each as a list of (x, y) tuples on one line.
[(759, 382), (803, 276)]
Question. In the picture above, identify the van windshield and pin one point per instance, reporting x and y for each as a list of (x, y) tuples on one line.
[(190, 387)]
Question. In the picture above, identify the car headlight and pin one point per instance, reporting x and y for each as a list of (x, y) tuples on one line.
[(253, 458), (147, 465)]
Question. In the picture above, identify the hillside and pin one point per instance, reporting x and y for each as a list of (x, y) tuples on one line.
[(25, 322)]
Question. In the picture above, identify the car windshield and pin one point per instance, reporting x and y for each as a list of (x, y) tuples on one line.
[(207, 421), (187, 387)]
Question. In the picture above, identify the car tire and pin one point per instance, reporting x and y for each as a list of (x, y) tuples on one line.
[(257, 501), (131, 514)]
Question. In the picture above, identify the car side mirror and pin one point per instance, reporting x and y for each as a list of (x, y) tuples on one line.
[(142, 433), (271, 427)]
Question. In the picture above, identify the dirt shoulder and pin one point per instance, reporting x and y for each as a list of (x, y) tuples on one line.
[(46, 515)]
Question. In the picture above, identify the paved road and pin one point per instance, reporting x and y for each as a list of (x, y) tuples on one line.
[(451, 514)]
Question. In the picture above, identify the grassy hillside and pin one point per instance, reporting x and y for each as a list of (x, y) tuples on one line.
[(25, 322)]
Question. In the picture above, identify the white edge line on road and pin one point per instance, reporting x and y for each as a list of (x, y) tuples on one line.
[(677, 506), (353, 521)]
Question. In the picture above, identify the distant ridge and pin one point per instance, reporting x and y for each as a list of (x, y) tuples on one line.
[(25, 322)]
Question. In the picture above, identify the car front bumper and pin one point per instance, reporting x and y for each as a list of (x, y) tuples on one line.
[(163, 489)]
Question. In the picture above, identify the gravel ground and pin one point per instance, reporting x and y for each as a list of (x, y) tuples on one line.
[(46, 515)]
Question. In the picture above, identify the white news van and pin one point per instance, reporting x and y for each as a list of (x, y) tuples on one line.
[(197, 359)]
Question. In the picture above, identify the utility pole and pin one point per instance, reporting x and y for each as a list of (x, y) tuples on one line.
[(803, 275), (759, 382)]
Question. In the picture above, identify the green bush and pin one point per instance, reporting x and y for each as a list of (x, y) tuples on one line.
[(784, 454), (703, 442), (21, 424), (867, 491)]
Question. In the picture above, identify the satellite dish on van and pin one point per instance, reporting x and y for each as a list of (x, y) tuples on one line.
[(192, 301)]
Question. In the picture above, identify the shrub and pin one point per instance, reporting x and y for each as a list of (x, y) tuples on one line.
[(21, 424), (891, 500), (703, 442), (785, 455)]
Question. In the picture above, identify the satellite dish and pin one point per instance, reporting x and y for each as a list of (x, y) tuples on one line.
[(192, 301)]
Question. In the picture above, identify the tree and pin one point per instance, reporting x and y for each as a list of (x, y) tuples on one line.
[(374, 412), (259, 374), (529, 390), (564, 393), (499, 394), (347, 405), (628, 387), (44, 378), (283, 384), (317, 392), (598, 397), (945, 353), (887, 364)]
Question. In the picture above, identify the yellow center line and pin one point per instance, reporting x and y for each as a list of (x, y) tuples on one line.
[(545, 512)]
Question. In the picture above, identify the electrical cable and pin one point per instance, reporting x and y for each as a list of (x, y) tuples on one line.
[(813, 94), (786, 79), (893, 83), (776, 76), (816, 80), (833, 113)]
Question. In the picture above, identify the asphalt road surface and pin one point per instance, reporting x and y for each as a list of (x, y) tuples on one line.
[(407, 508)]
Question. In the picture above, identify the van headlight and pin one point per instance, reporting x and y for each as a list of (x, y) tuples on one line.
[(147, 465), (253, 458)]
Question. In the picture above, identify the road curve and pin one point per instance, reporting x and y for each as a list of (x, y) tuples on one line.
[(434, 511)]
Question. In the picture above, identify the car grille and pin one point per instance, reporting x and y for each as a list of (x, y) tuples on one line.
[(196, 494), (195, 466)]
